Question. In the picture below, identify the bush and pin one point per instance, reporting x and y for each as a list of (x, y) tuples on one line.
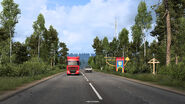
[(178, 71), (61, 66), (131, 68), (32, 68), (10, 70), (144, 68), (174, 71)]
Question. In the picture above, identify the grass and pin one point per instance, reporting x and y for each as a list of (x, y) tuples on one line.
[(156, 79), (11, 83)]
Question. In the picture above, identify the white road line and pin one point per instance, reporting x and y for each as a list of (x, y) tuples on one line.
[(100, 98), (92, 101), (83, 74), (85, 77)]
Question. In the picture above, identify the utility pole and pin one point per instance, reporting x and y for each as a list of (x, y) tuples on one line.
[(168, 24)]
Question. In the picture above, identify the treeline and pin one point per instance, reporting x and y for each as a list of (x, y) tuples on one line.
[(40, 53), (139, 50)]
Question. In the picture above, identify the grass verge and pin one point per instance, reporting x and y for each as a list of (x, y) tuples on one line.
[(155, 79), (11, 83)]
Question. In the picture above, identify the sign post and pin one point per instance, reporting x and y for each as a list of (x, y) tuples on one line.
[(154, 61), (120, 62)]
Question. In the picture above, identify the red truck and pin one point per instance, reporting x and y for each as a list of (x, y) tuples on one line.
[(73, 65)]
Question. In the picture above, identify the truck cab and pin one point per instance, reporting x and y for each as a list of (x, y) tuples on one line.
[(73, 65)]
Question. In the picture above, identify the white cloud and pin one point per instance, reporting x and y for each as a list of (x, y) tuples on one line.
[(78, 25)]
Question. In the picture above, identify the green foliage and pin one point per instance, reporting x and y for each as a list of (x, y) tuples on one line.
[(63, 54), (39, 25), (43, 44), (9, 15), (3, 34), (123, 41), (114, 48), (9, 69), (21, 53), (105, 45), (98, 47), (131, 68), (50, 46), (174, 71), (136, 37), (99, 61), (143, 18), (10, 83), (33, 67), (91, 62)]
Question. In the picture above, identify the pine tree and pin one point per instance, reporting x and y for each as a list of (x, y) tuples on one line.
[(105, 46), (97, 45)]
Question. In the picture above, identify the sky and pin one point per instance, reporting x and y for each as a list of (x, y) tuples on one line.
[(78, 22)]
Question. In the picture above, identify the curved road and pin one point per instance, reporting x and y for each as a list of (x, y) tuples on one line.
[(93, 88)]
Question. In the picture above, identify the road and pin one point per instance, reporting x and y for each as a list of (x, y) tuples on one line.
[(93, 88)]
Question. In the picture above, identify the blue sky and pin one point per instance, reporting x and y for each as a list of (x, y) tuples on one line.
[(78, 22), (52, 3)]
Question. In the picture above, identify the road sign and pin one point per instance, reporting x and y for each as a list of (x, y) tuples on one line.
[(113, 59), (120, 64)]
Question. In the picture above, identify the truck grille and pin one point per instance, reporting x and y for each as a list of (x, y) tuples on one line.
[(72, 68), (72, 71)]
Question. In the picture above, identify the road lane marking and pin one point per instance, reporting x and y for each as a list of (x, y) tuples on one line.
[(83, 74), (96, 92), (92, 101), (85, 77)]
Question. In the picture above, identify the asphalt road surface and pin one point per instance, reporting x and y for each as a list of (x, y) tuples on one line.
[(93, 88)]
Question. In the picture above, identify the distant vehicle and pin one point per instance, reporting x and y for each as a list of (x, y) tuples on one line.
[(73, 65), (88, 69)]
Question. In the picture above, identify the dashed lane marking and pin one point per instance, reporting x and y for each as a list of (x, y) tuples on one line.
[(92, 101), (96, 92)]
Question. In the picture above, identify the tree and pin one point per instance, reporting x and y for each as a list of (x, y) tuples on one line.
[(173, 10), (39, 29), (50, 45), (97, 45), (136, 37), (105, 46), (143, 20), (20, 51), (123, 40), (3, 34), (32, 43), (63, 53), (9, 18), (114, 48), (168, 25)]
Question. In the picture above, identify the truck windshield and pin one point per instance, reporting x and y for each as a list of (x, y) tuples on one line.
[(73, 63)]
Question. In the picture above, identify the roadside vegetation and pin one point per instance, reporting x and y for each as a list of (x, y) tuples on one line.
[(11, 83), (39, 56), (171, 70)]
